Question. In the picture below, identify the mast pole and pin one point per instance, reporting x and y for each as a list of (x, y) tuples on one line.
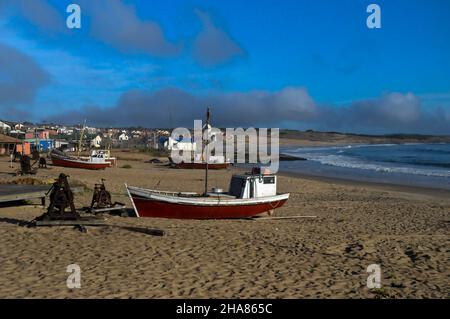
[(208, 116), (81, 139)]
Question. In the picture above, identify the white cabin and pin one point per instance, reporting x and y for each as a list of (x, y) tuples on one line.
[(253, 186)]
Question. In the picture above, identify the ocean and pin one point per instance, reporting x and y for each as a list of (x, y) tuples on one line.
[(426, 165)]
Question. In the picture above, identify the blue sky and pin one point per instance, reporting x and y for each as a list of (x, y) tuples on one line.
[(296, 64)]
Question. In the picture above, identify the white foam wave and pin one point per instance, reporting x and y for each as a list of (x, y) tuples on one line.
[(348, 162)]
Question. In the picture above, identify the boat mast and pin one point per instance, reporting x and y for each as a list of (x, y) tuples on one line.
[(81, 138), (207, 126)]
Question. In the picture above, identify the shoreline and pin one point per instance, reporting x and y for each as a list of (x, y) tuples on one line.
[(419, 190)]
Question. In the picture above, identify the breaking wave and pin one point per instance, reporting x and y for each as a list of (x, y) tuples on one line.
[(412, 159)]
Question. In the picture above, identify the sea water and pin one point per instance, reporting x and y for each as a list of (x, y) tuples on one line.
[(426, 165)]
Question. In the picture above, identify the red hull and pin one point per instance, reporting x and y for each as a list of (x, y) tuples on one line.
[(203, 165), (152, 208), (112, 161), (79, 164)]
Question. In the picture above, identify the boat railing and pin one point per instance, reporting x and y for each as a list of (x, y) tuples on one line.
[(175, 194)]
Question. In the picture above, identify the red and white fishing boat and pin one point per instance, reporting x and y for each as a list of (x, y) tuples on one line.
[(97, 160), (249, 195), (94, 163)]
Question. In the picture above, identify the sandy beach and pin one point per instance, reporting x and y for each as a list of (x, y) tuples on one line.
[(404, 230)]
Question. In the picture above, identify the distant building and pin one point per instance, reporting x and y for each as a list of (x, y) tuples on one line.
[(17, 134), (19, 126), (180, 144), (43, 134), (91, 130), (52, 132), (4, 128), (96, 141), (24, 148), (43, 145), (8, 144), (123, 137), (62, 130), (65, 145)]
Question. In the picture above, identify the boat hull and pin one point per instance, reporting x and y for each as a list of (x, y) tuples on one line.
[(152, 208), (79, 164), (112, 161)]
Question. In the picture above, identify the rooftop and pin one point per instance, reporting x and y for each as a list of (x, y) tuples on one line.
[(9, 139)]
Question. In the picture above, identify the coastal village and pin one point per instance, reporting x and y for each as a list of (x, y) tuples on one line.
[(25, 137)]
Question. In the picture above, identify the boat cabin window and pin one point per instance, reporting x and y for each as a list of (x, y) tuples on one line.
[(269, 180), (237, 186)]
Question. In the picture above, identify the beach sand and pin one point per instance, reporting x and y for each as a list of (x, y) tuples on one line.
[(405, 232)]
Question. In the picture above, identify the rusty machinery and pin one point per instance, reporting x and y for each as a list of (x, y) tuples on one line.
[(61, 199), (61, 211), (42, 162), (101, 200), (101, 197), (26, 168)]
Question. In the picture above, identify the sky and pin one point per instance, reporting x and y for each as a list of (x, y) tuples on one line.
[(297, 64)]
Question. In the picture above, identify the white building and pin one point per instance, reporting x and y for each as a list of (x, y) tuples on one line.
[(123, 137), (180, 145), (96, 142), (4, 127), (91, 130), (19, 126)]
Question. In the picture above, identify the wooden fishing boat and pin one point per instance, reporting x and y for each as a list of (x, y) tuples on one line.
[(93, 163), (97, 160), (249, 195)]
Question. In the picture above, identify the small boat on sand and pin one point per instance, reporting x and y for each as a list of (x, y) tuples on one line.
[(100, 159), (64, 160), (248, 195)]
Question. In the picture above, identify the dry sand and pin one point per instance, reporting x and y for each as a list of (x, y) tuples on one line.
[(407, 233)]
